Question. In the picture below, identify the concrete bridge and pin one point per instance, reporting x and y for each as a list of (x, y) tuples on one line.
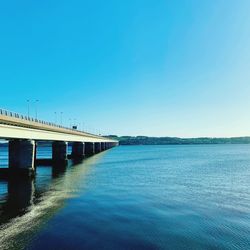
[(23, 134)]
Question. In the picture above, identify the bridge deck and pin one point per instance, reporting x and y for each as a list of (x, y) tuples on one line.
[(13, 125)]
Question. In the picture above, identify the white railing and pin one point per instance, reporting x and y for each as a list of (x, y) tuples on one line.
[(27, 118)]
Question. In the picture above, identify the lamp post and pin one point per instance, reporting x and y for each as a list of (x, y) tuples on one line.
[(61, 114), (55, 117), (28, 104), (70, 124), (36, 101)]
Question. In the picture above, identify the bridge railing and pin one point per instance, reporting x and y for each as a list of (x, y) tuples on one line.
[(27, 118)]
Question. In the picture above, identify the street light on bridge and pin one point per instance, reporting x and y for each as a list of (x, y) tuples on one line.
[(55, 117), (36, 101), (61, 121), (28, 103)]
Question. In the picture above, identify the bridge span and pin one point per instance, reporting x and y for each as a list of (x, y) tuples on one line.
[(23, 134)]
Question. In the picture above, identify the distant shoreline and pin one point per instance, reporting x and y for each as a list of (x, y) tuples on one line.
[(145, 140)]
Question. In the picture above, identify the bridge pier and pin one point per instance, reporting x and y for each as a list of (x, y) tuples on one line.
[(78, 150), (102, 146), (89, 148), (97, 147), (22, 157), (59, 153), (114, 144)]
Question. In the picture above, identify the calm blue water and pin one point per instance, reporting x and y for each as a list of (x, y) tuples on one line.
[(134, 197)]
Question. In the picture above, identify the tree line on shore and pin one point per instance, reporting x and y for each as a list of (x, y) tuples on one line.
[(146, 140)]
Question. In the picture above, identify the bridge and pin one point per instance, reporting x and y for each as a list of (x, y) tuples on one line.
[(24, 133)]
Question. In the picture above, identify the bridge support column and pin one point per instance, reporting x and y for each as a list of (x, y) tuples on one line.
[(89, 148), (59, 152), (114, 144), (35, 164), (78, 150), (102, 146), (22, 157), (97, 147)]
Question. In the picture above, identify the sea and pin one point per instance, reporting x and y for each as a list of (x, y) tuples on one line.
[(132, 197)]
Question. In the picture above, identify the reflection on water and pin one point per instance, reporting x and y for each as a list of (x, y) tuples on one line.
[(26, 204), (20, 196)]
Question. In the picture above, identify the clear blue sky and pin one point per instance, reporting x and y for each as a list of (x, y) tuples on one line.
[(132, 67)]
